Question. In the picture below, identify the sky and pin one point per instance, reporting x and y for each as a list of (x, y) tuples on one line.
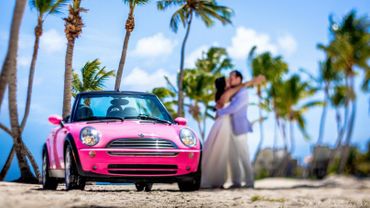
[(287, 27)]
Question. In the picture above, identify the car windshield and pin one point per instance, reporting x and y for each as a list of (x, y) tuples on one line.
[(120, 106)]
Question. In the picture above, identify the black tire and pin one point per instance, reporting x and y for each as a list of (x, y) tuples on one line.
[(71, 178), (192, 184), (140, 186), (48, 183), (148, 187)]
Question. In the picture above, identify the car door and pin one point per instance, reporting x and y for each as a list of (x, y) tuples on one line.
[(58, 147)]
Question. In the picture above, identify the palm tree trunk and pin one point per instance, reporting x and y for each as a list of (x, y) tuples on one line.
[(7, 164), (292, 141), (323, 115), (259, 146), (10, 62), (67, 96), (38, 32), (180, 105), (33, 162), (129, 28), (346, 148), (26, 174), (204, 122)]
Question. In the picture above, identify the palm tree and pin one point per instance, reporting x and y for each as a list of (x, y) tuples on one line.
[(208, 11), (272, 68), (167, 97), (73, 29), (130, 25), (327, 76), (350, 48), (44, 8), (9, 78), (93, 78), (10, 62)]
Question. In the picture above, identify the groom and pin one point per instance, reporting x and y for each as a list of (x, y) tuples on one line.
[(241, 126)]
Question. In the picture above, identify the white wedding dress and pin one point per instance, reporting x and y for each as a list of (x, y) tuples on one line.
[(216, 154)]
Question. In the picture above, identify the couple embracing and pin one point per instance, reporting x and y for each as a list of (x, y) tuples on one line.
[(226, 162)]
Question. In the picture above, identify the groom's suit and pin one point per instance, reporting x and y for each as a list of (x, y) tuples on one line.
[(241, 126)]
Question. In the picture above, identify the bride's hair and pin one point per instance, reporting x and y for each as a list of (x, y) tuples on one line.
[(220, 84)]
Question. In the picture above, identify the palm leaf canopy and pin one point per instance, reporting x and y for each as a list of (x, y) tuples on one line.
[(271, 67), (133, 3), (207, 10), (45, 7), (93, 77)]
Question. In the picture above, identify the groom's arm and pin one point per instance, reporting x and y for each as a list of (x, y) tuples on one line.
[(240, 100)]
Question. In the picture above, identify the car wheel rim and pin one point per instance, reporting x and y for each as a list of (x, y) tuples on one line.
[(68, 168), (44, 170)]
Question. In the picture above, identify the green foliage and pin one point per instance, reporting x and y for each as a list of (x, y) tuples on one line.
[(168, 99), (357, 164), (45, 7), (206, 10), (93, 77)]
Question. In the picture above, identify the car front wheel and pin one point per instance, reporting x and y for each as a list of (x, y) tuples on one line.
[(48, 183), (71, 177), (191, 185)]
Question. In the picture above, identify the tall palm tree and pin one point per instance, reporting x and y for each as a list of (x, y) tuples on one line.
[(208, 11), (350, 48), (289, 94), (10, 62), (73, 29), (272, 68), (44, 8), (130, 25), (93, 77), (9, 78), (327, 76)]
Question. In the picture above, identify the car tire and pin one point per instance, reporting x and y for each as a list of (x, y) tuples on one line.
[(48, 183), (191, 185), (148, 187), (71, 178), (140, 186)]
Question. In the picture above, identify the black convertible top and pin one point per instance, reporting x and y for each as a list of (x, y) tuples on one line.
[(112, 92)]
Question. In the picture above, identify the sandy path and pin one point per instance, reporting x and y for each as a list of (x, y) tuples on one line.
[(331, 192)]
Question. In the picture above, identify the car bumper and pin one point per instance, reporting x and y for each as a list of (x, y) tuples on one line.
[(128, 164)]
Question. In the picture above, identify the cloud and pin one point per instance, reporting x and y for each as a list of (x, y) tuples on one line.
[(197, 53), (194, 56), (142, 80), (52, 41), (246, 38), (287, 44), (154, 46)]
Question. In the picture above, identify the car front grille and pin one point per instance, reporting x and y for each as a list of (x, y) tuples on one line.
[(142, 143), (142, 169)]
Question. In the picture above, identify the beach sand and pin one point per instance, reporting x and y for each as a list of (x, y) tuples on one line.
[(334, 191)]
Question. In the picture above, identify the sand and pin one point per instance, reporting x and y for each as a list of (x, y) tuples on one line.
[(333, 191)]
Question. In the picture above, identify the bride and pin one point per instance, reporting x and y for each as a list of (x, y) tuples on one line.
[(216, 150)]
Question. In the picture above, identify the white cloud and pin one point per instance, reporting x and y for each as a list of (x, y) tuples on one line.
[(142, 80), (287, 43), (52, 41), (154, 46), (194, 56), (246, 38)]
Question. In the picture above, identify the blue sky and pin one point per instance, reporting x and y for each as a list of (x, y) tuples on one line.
[(288, 27)]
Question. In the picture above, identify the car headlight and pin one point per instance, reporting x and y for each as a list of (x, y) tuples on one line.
[(90, 136), (188, 138)]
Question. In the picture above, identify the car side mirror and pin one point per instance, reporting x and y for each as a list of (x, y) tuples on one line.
[(56, 120), (181, 121)]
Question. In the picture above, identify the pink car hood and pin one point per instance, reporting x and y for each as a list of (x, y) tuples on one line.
[(128, 129)]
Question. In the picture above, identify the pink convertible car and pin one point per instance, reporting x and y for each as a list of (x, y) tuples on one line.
[(121, 137)]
